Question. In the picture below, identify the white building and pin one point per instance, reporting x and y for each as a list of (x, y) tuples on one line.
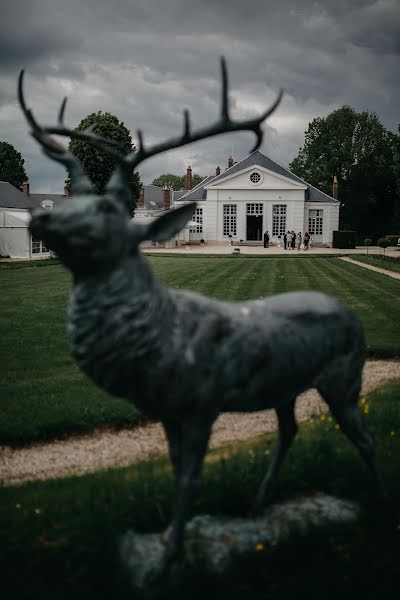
[(255, 195), (16, 241), (240, 204)]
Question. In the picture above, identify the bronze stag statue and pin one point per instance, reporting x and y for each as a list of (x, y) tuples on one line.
[(179, 357)]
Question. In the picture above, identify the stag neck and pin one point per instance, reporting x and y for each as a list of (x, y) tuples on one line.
[(132, 280), (127, 304)]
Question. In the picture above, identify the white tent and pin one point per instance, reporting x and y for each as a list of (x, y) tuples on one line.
[(15, 238)]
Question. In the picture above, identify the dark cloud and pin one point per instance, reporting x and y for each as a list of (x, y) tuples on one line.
[(146, 60)]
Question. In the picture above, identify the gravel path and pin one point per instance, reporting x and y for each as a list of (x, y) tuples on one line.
[(105, 449)]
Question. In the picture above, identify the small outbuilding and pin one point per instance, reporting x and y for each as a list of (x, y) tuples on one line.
[(16, 241)]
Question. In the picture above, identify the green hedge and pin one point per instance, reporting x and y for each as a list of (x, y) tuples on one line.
[(344, 239)]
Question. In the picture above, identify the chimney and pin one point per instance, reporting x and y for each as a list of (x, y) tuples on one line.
[(189, 178), (25, 187), (141, 197), (66, 190), (217, 171), (166, 198), (230, 161), (335, 186)]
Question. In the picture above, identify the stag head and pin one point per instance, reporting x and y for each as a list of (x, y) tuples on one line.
[(89, 231)]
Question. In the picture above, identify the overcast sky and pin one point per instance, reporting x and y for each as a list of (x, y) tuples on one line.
[(146, 60)]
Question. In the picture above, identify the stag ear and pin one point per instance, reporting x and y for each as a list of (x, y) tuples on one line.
[(163, 228)]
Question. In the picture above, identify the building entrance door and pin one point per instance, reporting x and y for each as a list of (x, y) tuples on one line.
[(254, 227)]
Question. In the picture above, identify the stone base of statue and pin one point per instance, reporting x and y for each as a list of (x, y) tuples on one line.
[(214, 542)]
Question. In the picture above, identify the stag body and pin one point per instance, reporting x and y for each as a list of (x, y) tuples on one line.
[(159, 348), (183, 359), (180, 357)]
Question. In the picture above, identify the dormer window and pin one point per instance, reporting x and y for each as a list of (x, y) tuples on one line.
[(47, 203), (255, 178)]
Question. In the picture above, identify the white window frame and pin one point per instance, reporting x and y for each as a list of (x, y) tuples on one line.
[(315, 221), (198, 218), (48, 204), (38, 247), (254, 208), (255, 175), (279, 213), (229, 220)]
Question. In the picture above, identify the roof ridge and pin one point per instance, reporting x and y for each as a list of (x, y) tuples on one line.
[(226, 172)]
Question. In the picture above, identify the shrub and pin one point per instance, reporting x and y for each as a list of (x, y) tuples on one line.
[(344, 239), (392, 239), (383, 243), (367, 242)]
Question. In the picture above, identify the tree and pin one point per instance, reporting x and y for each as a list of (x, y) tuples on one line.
[(11, 165), (177, 182), (360, 151), (396, 171), (383, 243), (97, 164)]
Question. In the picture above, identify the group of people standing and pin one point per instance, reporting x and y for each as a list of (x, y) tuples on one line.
[(291, 241)]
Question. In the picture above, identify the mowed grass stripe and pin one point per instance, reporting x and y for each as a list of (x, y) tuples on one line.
[(229, 279), (184, 274), (357, 281), (44, 394)]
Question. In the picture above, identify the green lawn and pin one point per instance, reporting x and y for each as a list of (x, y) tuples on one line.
[(59, 539), (43, 392), (391, 263)]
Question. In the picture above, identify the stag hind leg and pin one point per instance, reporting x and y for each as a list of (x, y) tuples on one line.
[(342, 399), (287, 431)]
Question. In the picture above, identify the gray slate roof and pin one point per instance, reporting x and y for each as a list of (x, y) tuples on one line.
[(36, 199), (153, 197), (257, 158), (177, 195), (10, 197), (198, 192)]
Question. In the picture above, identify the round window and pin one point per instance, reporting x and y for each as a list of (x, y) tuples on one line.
[(255, 178)]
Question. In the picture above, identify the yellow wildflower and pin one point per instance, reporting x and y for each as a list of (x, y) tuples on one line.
[(322, 417), (260, 547), (337, 426), (392, 434), (363, 401)]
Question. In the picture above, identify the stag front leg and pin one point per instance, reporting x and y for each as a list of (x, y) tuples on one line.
[(287, 431), (194, 441), (173, 432)]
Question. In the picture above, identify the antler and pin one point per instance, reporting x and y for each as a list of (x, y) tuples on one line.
[(224, 125), (80, 182)]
